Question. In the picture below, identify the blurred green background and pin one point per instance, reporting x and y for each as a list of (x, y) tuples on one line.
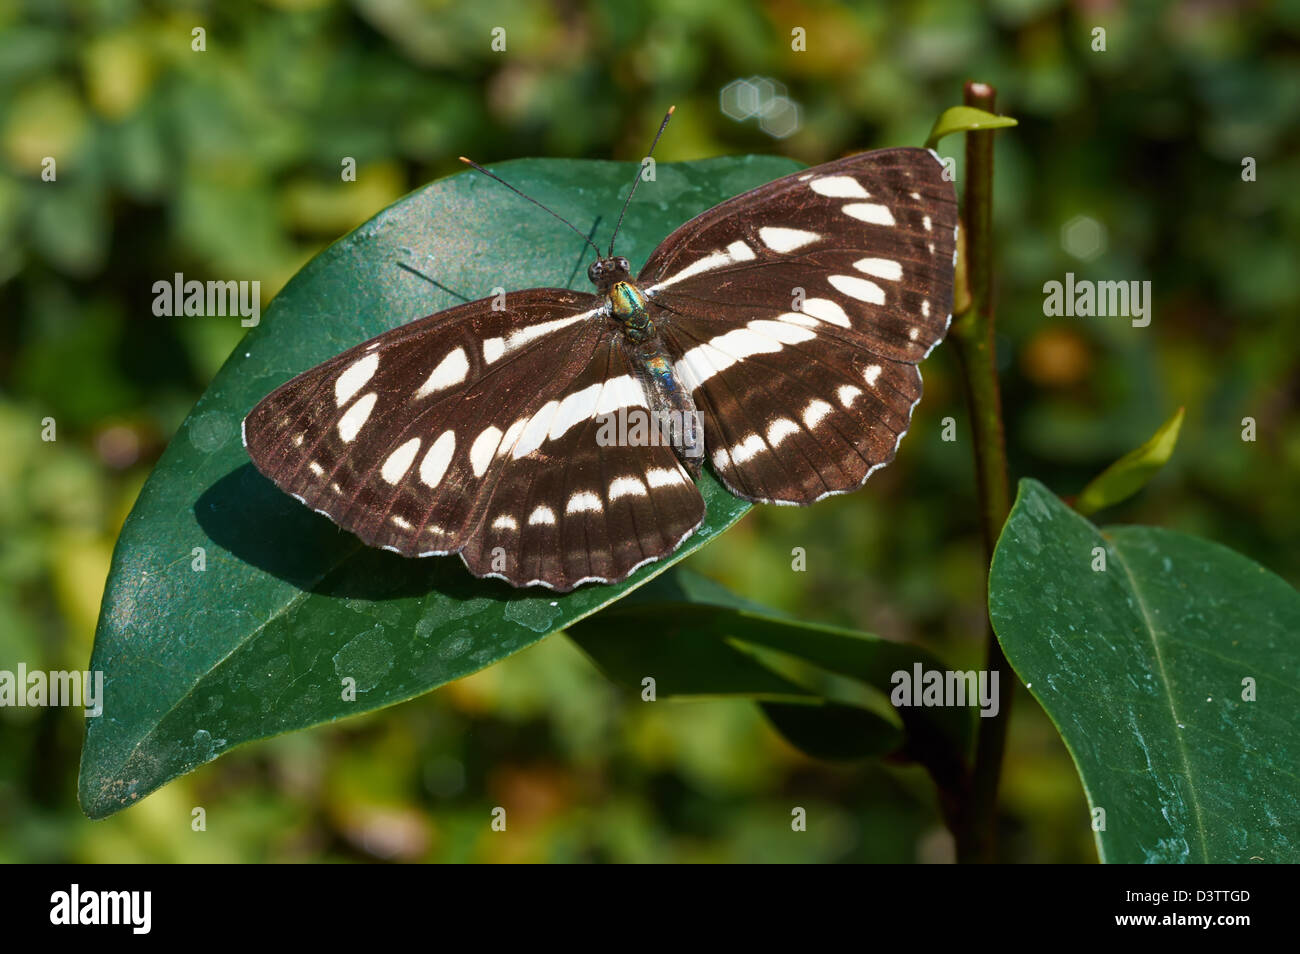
[(225, 164)]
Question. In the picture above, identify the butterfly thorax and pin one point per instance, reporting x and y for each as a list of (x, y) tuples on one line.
[(627, 304), (628, 307)]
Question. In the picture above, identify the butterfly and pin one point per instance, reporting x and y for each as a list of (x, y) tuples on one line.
[(552, 438)]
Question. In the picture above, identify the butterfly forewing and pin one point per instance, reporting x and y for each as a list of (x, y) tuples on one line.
[(798, 312), (387, 438)]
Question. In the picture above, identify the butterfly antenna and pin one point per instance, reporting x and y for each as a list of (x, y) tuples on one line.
[(637, 181), (492, 175)]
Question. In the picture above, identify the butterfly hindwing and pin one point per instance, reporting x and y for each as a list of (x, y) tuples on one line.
[(798, 312), (585, 507), (794, 425)]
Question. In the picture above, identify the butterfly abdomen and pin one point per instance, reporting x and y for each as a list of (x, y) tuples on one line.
[(674, 419), (674, 416)]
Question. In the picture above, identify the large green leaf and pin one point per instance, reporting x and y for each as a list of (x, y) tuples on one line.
[(289, 606), (1147, 668), (833, 731), (671, 646)]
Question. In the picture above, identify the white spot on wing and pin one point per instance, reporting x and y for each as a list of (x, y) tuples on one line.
[(437, 459), (535, 432), (626, 487), (354, 378), (780, 429), (316, 468), (839, 187), (622, 391), (740, 252), (583, 501), (880, 268), (574, 409), (512, 436), (859, 288), (542, 515), (699, 364), (870, 212), (826, 310), (400, 522), (781, 331), (662, 477), (742, 343), (399, 461), (450, 371), (716, 355), (735, 252), (746, 449), (847, 393), (872, 374), (698, 267), (522, 336), (355, 417), (796, 318), (814, 412), (482, 450), (505, 522), (780, 239), (493, 348)]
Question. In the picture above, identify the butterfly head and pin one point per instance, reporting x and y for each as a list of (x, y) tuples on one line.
[(604, 273)]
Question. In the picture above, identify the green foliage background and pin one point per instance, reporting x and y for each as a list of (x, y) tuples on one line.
[(225, 164)]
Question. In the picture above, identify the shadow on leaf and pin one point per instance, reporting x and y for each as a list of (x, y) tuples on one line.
[(247, 515)]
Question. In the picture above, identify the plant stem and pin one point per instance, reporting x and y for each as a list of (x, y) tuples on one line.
[(973, 334)]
